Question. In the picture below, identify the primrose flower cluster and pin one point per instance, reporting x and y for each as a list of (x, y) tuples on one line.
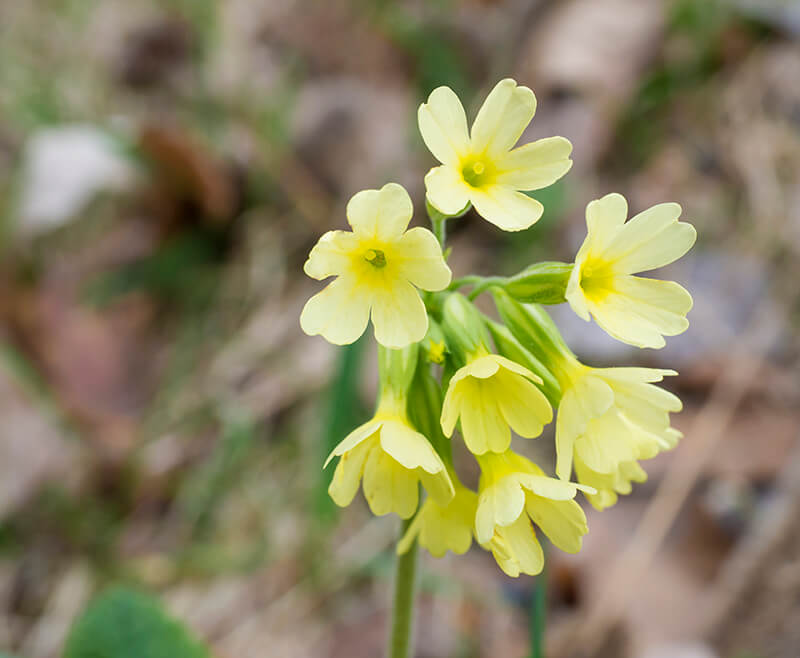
[(445, 366)]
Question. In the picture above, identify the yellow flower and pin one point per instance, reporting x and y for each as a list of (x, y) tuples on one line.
[(513, 492), (482, 167), (490, 394), (632, 309), (443, 528), (393, 459), (377, 266), (608, 485), (607, 420)]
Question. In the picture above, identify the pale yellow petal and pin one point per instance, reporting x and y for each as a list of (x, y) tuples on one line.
[(413, 531), (563, 522), (574, 294), (515, 368), (355, 437), (421, 260), (438, 485), (339, 312), (443, 125), (382, 214), (482, 422), (524, 407), (548, 487), (446, 190), (480, 368), (347, 476), (451, 408), (604, 218), (641, 311), (588, 398), (409, 448), (523, 545), (535, 165), (505, 113), (499, 504), (389, 486), (651, 239), (399, 315), (506, 208), (331, 255)]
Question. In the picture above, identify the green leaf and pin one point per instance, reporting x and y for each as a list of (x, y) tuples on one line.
[(124, 623)]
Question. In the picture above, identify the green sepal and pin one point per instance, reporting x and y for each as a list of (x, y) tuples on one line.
[(396, 369), (542, 283), (463, 327), (508, 346), (425, 409), (531, 325)]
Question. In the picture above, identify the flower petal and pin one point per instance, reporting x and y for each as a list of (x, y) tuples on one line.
[(339, 312), (482, 422), (640, 311), (535, 165), (382, 214), (499, 504), (347, 476), (331, 255), (355, 437), (446, 189), (421, 260), (389, 486), (651, 239), (524, 407), (523, 545), (443, 125), (399, 315), (438, 485), (604, 218), (505, 113), (505, 207), (588, 398), (563, 522), (409, 448)]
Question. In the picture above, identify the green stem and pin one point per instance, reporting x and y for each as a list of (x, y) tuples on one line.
[(485, 284), (538, 615), (440, 229), (403, 604)]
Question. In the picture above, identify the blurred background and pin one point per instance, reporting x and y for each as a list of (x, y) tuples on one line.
[(165, 167)]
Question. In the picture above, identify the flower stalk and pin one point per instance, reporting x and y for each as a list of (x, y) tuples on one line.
[(405, 585)]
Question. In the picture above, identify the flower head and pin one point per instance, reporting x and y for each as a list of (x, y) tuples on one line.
[(442, 528), (513, 492), (632, 309), (492, 395), (392, 458), (377, 267), (481, 166), (608, 419)]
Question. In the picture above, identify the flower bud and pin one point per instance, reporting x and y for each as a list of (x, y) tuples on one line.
[(542, 283), (464, 329), (534, 329), (509, 347)]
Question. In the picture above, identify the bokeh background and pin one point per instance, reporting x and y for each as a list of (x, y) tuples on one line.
[(165, 167)]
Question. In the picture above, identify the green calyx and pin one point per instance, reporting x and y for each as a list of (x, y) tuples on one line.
[(542, 283), (463, 328)]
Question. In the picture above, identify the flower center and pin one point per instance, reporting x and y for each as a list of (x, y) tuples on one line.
[(474, 173), (375, 257)]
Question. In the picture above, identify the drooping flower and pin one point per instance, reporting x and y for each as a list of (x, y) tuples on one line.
[(442, 528), (609, 485), (492, 395), (378, 268), (481, 166), (635, 310), (514, 492), (392, 458), (608, 419)]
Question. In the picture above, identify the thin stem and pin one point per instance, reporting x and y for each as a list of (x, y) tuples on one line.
[(538, 615), (485, 284), (470, 280), (403, 604), (440, 228)]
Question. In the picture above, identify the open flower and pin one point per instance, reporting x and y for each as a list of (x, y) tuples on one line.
[(608, 419), (492, 395), (377, 266), (609, 485), (443, 528), (481, 166), (514, 491), (632, 309), (392, 458)]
